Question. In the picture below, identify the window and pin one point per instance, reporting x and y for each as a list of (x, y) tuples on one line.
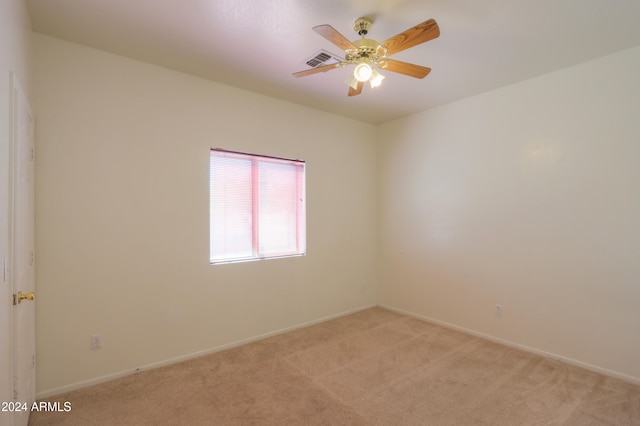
[(257, 207)]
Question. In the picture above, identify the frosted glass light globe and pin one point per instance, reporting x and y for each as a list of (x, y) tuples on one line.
[(362, 72)]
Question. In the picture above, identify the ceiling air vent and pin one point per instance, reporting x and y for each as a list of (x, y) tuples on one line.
[(322, 57)]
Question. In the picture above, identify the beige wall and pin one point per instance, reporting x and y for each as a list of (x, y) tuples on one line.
[(15, 54), (122, 215), (527, 197)]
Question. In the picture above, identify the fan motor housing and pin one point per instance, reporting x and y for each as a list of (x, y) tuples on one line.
[(365, 48)]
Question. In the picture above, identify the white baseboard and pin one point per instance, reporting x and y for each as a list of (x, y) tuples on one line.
[(571, 361), (97, 380)]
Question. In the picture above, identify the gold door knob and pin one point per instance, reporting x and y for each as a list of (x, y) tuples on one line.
[(26, 296)]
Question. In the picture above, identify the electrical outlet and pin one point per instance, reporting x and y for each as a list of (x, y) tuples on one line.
[(96, 341), (499, 311)]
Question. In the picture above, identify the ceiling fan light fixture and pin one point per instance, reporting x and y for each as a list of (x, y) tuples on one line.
[(376, 78), (352, 82), (368, 55), (363, 72)]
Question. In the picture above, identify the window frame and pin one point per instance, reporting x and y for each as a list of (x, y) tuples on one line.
[(256, 219)]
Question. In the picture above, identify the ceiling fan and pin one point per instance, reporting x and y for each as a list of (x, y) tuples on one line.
[(367, 54)]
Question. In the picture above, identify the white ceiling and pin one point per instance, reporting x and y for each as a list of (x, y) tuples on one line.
[(257, 44)]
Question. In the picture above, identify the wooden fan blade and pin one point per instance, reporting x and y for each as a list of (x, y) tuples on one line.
[(323, 68), (353, 92), (331, 34), (428, 30), (411, 70)]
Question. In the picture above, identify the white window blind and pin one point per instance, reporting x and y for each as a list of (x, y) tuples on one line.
[(257, 207)]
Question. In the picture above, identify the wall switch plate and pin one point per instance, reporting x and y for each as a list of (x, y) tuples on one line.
[(499, 311)]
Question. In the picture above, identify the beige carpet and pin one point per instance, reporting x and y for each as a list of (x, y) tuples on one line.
[(374, 367)]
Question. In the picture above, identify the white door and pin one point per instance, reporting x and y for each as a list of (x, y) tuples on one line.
[(22, 254)]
